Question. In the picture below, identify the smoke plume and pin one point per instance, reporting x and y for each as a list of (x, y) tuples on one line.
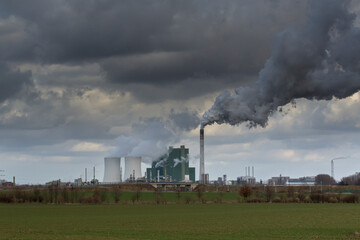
[(152, 137), (149, 140), (181, 160), (319, 61)]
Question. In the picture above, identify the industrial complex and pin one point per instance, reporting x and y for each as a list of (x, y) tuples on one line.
[(173, 167)]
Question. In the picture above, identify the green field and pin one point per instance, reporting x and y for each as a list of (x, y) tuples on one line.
[(180, 221)]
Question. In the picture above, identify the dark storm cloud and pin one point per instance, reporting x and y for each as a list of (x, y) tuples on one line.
[(151, 43), (12, 82), (65, 31)]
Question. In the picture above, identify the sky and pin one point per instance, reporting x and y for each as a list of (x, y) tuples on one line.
[(278, 82)]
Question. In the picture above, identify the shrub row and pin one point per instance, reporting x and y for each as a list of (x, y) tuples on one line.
[(319, 198), (67, 195)]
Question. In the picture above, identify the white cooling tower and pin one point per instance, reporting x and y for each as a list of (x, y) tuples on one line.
[(112, 170), (132, 165)]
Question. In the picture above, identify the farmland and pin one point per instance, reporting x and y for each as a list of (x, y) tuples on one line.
[(180, 221)]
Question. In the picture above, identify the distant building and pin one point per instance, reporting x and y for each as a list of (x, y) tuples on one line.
[(4, 183), (278, 181), (220, 181), (78, 182), (57, 183), (207, 180), (246, 180), (301, 181), (173, 167)]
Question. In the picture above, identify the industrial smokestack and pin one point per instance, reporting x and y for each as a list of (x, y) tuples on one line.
[(202, 163), (252, 171)]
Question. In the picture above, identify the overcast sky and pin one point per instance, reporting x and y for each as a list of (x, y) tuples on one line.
[(82, 80)]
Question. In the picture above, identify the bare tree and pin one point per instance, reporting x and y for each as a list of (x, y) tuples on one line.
[(245, 191), (269, 193)]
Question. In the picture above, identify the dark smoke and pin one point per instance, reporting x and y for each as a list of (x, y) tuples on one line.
[(319, 61)]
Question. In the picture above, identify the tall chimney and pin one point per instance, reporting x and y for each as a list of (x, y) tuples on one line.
[(252, 171), (94, 174), (202, 164)]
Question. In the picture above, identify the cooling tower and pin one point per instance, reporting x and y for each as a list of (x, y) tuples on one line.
[(112, 170), (132, 165)]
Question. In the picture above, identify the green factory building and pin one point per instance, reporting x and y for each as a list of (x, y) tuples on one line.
[(172, 167)]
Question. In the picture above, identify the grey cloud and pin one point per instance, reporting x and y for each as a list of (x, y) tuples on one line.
[(53, 117), (186, 120), (12, 82), (83, 30), (152, 43)]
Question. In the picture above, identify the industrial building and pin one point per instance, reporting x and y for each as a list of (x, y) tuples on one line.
[(245, 180), (278, 181), (248, 179), (173, 167), (301, 181)]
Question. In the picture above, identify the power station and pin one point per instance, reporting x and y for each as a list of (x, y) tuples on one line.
[(172, 167)]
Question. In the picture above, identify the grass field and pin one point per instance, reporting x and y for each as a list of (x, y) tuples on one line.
[(180, 221)]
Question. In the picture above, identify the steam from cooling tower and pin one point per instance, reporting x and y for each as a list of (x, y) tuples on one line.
[(151, 137), (148, 140), (319, 61)]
